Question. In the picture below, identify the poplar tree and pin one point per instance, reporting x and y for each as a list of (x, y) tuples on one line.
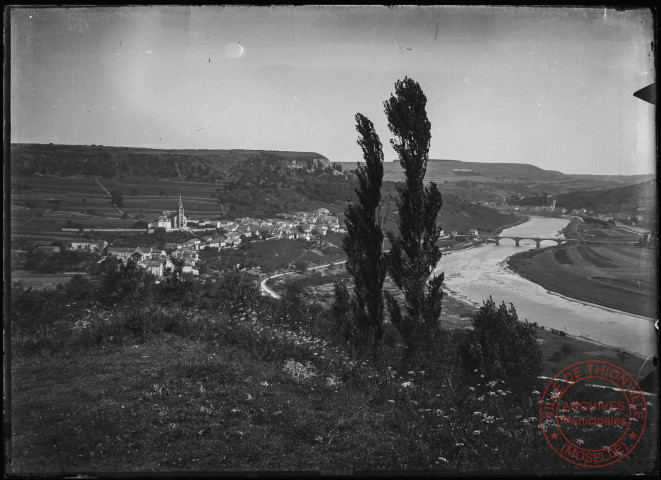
[(414, 252), (364, 240)]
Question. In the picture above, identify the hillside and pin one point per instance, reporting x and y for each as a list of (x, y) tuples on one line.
[(111, 162), (622, 199), (492, 182), (454, 170)]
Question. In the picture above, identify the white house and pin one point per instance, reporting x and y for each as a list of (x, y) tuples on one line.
[(122, 253), (189, 267), (192, 244), (154, 267), (87, 246)]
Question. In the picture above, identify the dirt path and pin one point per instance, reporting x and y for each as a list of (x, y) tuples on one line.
[(106, 190)]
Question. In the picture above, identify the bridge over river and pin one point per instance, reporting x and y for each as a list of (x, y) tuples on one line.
[(538, 240), (497, 238)]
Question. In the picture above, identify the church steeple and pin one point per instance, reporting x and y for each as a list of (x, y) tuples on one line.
[(181, 218)]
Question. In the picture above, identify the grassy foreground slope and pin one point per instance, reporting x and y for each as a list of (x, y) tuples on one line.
[(166, 377), (233, 400)]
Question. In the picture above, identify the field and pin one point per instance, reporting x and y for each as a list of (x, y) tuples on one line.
[(41, 280), (623, 277), (83, 200)]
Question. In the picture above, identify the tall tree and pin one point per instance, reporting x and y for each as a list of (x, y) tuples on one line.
[(414, 253), (364, 241)]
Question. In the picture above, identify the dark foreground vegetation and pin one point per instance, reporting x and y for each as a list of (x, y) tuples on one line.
[(136, 376)]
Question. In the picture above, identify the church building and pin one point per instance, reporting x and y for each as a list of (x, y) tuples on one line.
[(172, 220)]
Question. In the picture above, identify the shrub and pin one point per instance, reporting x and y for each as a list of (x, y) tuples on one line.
[(499, 346), (300, 266), (567, 349), (79, 288)]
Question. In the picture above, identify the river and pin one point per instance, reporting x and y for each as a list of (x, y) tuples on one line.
[(477, 273)]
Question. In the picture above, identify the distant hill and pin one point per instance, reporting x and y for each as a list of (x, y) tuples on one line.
[(479, 181), (440, 171), (455, 170), (112, 162)]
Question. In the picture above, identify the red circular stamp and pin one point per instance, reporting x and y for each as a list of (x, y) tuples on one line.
[(593, 413)]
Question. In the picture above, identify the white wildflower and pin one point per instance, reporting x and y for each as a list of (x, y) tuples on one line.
[(299, 372)]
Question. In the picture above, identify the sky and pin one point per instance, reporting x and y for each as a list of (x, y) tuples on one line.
[(552, 87)]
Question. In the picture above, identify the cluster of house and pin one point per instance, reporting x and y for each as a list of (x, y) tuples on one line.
[(291, 226), (505, 207), (639, 218), (157, 261), (297, 225), (529, 209)]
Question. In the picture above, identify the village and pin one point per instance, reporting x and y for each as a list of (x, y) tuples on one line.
[(205, 233)]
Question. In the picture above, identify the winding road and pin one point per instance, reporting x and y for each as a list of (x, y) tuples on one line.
[(266, 290)]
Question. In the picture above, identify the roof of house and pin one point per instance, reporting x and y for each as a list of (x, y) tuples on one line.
[(122, 249), (151, 263)]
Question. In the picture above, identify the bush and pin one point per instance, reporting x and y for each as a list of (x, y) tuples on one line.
[(79, 288), (300, 266), (500, 347), (117, 198)]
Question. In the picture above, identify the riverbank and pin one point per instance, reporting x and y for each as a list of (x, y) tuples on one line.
[(619, 278)]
